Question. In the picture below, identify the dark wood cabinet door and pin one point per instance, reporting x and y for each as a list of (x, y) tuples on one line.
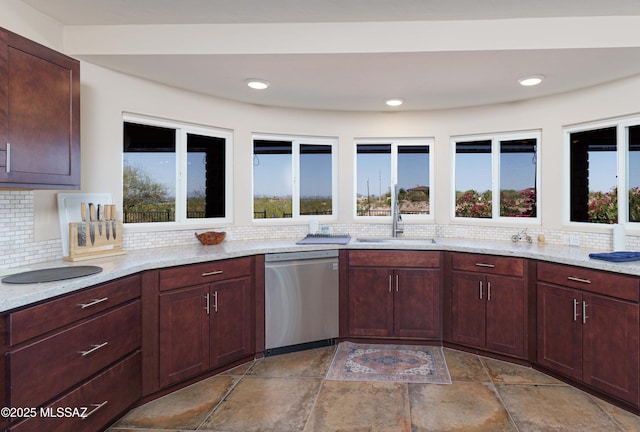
[(505, 319), (231, 320), (468, 309), (610, 346), (184, 334), (560, 329), (417, 308), (41, 129), (370, 301)]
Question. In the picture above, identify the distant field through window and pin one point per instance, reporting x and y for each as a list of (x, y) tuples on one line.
[(293, 177)]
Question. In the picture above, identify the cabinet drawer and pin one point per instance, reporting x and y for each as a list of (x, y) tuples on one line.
[(611, 284), (393, 258), (178, 277), (104, 398), (488, 264), (44, 369), (41, 319)]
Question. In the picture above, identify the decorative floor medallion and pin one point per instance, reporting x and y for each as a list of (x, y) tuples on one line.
[(397, 363)]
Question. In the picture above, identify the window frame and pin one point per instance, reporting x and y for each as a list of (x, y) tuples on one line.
[(182, 129), (622, 126), (496, 139), (395, 143), (296, 142)]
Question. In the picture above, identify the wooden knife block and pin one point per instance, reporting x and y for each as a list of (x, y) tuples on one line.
[(101, 245)]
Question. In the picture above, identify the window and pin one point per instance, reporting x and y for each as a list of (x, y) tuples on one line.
[(174, 172), (503, 166), (593, 176), (380, 164), (633, 170), (604, 172), (293, 177)]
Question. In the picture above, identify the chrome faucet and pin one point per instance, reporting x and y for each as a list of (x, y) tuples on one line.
[(395, 214)]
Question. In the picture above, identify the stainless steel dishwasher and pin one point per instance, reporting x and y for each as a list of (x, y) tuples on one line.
[(301, 300)]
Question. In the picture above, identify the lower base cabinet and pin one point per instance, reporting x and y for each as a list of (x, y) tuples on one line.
[(94, 404), (394, 294), (488, 303), (586, 335), (205, 326)]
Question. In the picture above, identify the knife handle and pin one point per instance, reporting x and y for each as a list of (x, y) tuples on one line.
[(83, 211), (92, 212), (100, 212)]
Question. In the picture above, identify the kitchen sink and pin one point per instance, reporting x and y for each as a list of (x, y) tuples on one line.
[(394, 240)]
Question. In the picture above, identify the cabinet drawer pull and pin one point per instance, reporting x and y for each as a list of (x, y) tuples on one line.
[(93, 302), (485, 265), (575, 310), (8, 160), (577, 279), (212, 273), (97, 407), (94, 349)]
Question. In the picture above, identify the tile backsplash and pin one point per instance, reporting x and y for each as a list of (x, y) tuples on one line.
[(18, 247)]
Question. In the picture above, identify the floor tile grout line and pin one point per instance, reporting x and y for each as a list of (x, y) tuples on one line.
[(604, 411), (224, 398), (498, 394), (315, 401)]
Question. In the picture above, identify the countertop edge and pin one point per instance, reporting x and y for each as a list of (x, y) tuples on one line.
[(14, 296)]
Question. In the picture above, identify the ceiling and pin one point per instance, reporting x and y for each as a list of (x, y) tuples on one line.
[(449, 70)]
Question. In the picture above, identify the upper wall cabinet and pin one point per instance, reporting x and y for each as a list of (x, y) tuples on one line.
[(39, 116)]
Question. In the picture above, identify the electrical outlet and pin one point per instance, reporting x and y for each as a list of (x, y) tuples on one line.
[(574, 240)]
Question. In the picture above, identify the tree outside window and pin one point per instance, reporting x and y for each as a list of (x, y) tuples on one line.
[(503, 166), (604, 172), (174, 172), (383, 163)]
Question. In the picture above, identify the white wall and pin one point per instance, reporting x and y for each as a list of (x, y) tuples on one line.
[(106, 95)]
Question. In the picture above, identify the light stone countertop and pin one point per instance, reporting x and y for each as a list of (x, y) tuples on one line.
[(14, 296)]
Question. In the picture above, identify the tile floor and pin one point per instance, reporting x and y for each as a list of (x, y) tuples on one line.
[(288, 393)]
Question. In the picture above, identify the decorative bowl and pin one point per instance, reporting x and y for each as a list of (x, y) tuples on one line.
[(211, 237)]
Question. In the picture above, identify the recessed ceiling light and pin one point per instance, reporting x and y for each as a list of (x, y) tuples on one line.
[(394, 102), (257, 84), (531, 80)]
